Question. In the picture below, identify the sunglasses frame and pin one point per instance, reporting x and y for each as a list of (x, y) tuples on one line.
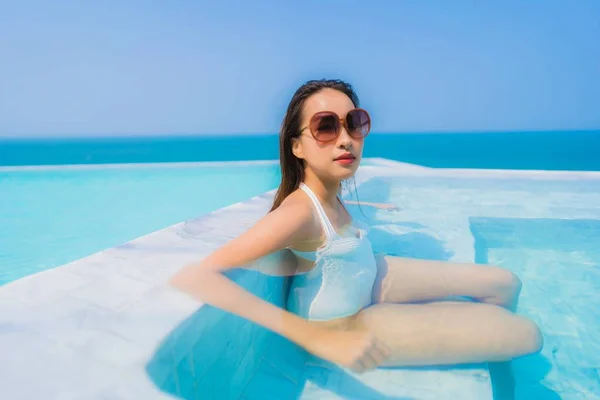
[(343, 122)]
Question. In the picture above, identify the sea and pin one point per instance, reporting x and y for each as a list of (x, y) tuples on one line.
[(537, 150)]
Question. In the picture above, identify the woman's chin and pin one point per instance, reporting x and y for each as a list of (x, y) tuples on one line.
[(347, 173)]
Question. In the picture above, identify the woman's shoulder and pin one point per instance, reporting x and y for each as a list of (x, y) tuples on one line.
[(288, 224), (297, 210), (295, 205)]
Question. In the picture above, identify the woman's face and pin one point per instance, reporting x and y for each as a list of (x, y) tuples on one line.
[(339, 157)]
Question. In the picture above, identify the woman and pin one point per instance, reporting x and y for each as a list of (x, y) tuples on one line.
[(346, 305)]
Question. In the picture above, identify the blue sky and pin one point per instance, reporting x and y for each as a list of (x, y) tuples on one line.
[(118, 67)]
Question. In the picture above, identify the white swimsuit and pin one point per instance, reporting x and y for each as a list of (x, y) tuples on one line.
[(341, 282)]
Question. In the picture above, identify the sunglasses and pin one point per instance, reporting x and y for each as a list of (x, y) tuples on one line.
[(326, 125)]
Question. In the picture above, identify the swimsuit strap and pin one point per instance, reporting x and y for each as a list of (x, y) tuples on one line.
[(325, 223)]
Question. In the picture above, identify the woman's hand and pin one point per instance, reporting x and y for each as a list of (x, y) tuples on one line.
[(382, 206), (358, 350), (387, 206)]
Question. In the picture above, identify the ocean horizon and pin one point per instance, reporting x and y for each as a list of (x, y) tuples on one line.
[(539, 150)]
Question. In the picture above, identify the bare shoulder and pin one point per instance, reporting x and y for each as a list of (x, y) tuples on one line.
[(292, 222), (294, 218)]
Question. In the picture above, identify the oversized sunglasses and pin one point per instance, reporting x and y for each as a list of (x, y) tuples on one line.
[(326, 125)]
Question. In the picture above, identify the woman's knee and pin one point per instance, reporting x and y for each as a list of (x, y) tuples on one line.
[(511, 283), (529, 337), (506, 287)]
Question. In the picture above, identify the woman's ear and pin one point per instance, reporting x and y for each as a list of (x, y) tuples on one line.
[(297, 148)]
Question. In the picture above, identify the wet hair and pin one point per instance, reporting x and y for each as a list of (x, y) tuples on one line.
[(292, 168)]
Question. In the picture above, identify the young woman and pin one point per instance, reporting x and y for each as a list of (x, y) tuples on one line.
[(345, 304)]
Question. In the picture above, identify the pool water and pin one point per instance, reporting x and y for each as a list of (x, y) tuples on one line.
[(547, 232), (51, 216)]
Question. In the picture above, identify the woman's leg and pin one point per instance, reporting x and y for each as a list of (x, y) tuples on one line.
[(409, 280), (446, 332)]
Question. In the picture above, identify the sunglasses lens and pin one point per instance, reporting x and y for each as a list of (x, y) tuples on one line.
[(326, 127), (359, 123)]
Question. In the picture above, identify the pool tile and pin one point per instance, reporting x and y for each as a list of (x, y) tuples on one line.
[(112, 291), (46, 286), (579, 383), (108, 348), (134, 384), (286, 357), (311, 391), (243, 373), (268, 382), (186, 379), (58, 371)]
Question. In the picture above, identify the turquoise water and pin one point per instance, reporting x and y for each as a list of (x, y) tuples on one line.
[(546, 231), (559, 263), (555, 150), (53, 216)]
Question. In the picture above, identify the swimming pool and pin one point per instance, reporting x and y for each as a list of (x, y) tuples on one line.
[(545, 229), (106, 326), (53, 215)]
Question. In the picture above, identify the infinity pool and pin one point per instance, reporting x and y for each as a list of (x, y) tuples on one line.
[(105, 326), (53, 215), (545, 230)]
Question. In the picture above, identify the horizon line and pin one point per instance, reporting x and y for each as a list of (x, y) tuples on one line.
[(262, 134)]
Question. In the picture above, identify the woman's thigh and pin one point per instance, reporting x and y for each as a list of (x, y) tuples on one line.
[(449, 332), (407, 280)]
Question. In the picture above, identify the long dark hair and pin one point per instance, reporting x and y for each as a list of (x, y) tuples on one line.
[(292, 168)]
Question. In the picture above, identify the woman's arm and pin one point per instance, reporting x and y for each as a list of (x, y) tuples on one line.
[(288, 224), (205, 281)]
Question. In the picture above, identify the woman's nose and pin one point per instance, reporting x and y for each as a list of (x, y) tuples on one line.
[(344, 140)]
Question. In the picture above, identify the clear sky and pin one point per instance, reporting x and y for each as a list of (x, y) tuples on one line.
[(119, 67)]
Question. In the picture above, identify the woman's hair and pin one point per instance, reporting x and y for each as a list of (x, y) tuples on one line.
[(292, 168)]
